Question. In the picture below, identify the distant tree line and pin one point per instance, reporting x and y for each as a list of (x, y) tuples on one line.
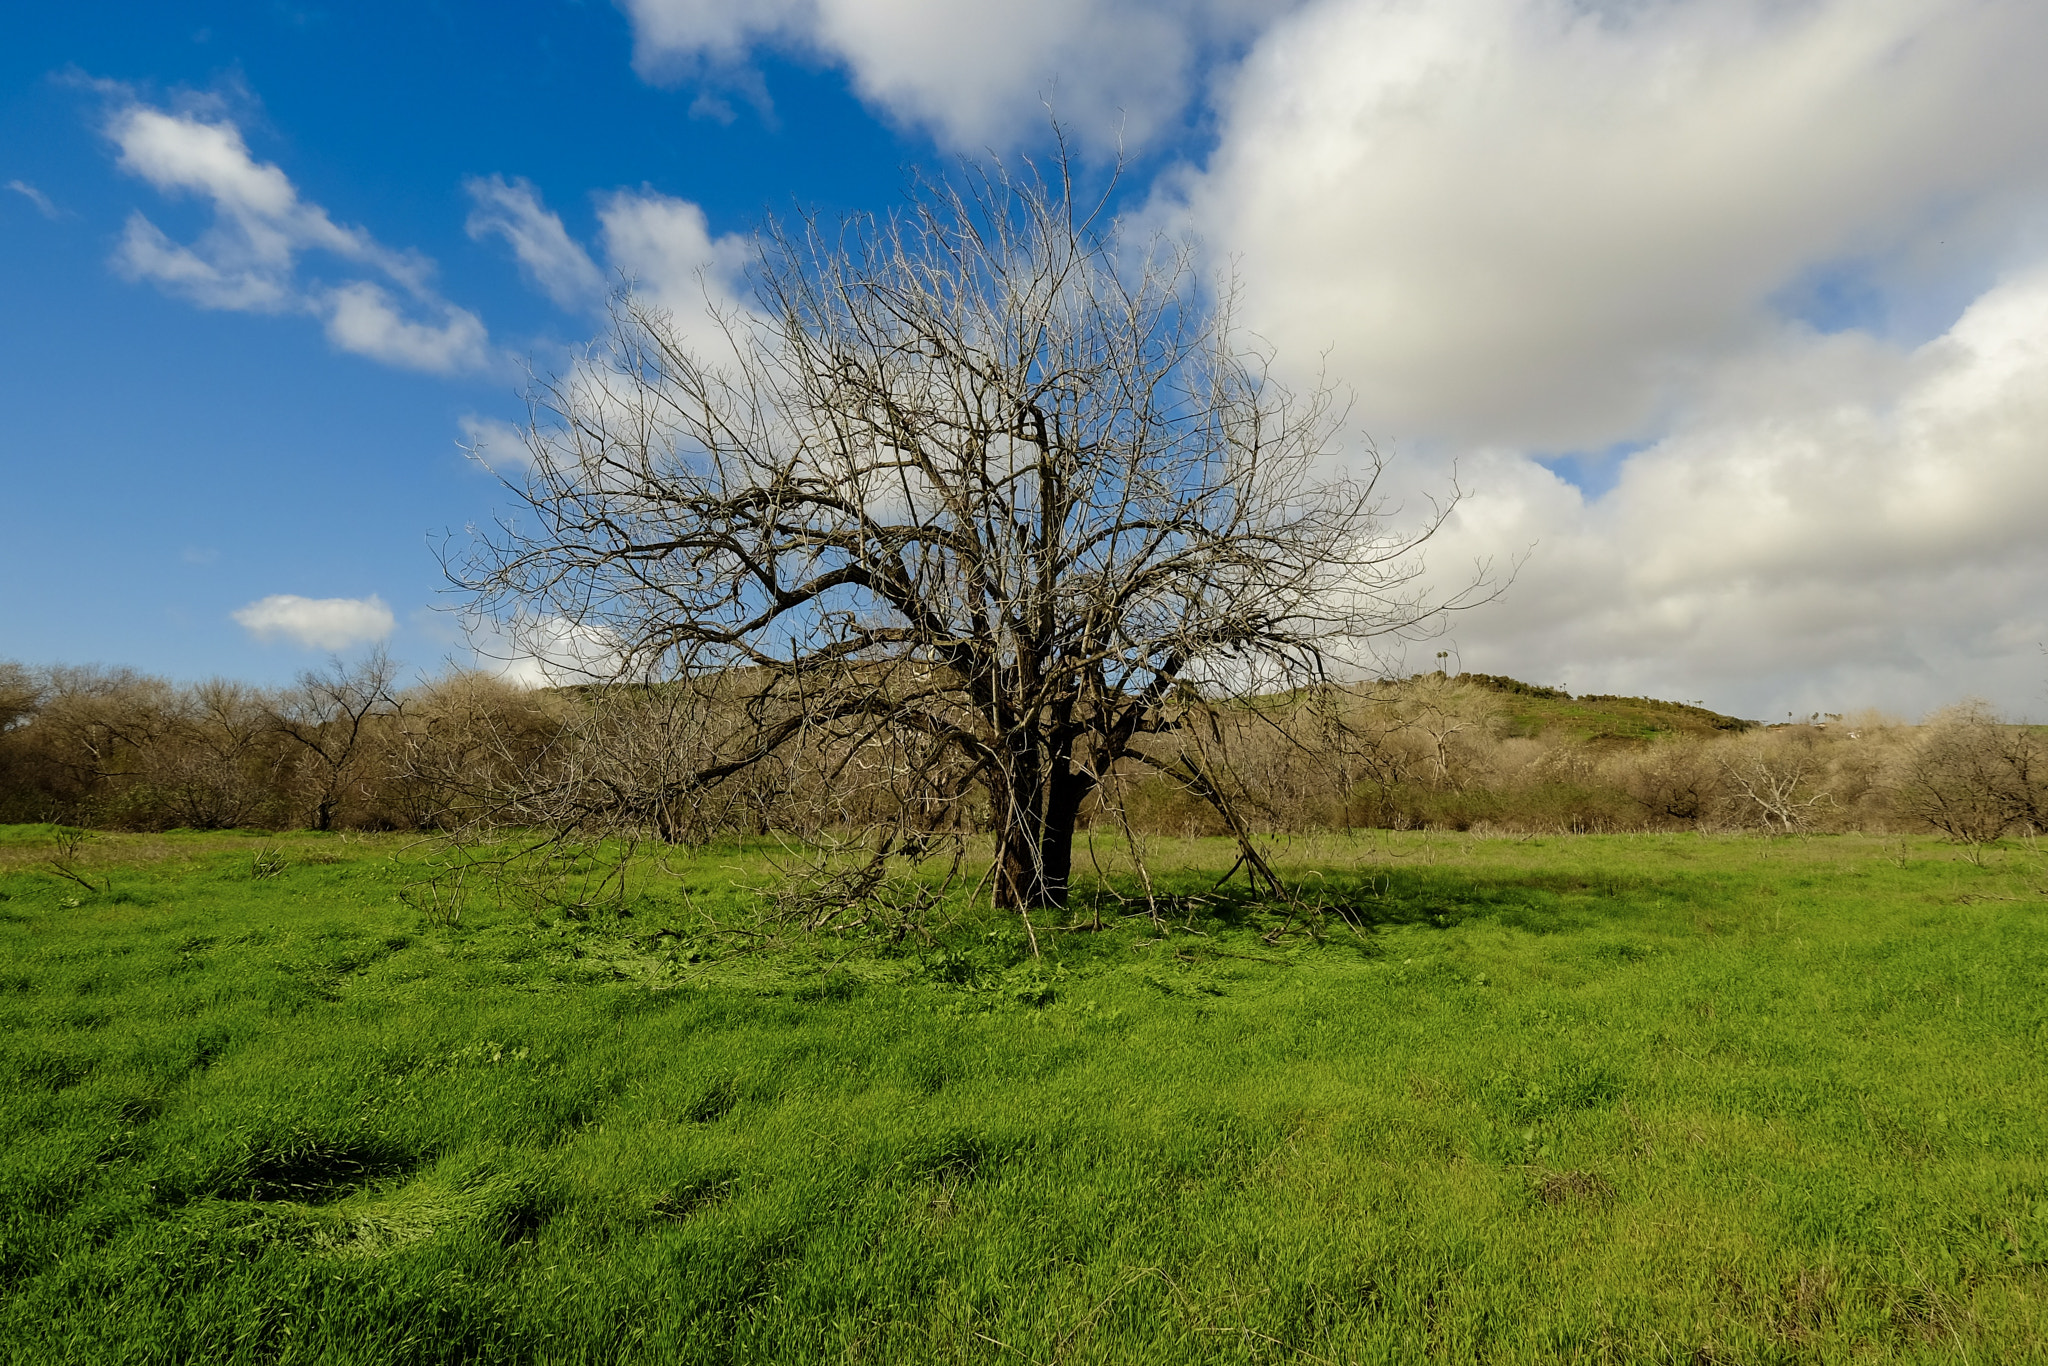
[(347, 748)]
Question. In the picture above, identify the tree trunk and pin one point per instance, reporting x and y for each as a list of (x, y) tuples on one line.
[(667, 828), (1020, 882), (1038, 838)]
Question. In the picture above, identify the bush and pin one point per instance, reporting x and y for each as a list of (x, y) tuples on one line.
[(1972, 778), (115, 749)]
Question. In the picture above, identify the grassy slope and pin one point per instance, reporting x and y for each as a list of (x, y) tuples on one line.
[(1540, 711), (1604, 1098)]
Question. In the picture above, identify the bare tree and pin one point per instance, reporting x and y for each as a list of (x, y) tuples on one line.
[(21, 693), (627, 759), (1780, 781), (974, 484), (219, 762), (1974, 778), (328, 715), (97, 730), (1675, 779), (460, 745)]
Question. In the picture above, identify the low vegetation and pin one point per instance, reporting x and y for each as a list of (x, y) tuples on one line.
[(346, 749), (1650, 1097)]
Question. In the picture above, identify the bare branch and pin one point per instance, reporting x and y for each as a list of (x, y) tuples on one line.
[(981, 476)]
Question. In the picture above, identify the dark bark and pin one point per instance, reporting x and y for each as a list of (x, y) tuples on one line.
[(1036, 862)]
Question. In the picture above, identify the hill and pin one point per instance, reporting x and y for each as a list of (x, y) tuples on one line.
[(1537, 712)]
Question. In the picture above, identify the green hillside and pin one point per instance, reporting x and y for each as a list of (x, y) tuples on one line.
[(1535, 710)]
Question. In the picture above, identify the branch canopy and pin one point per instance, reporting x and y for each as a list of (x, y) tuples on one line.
[(975, 472)]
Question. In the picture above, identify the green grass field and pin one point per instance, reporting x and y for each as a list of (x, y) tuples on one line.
[(1654, 1098)]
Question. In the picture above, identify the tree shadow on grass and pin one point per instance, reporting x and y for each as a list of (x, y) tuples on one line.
[(1324, 900)]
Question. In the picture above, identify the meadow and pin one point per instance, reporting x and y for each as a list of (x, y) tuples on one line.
[(1604, 1098)]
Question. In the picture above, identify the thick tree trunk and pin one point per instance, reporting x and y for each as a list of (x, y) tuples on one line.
[(1063, 811), (1018, 885), (1037, 855), (1020, 862)]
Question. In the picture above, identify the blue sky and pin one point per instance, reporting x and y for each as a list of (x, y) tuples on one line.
[(169, 464), (1731, 316)]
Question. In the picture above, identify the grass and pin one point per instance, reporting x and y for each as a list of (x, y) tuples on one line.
[(1604, 1098), (1535, 711)]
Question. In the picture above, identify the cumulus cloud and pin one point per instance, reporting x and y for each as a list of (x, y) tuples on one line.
[(1538, 222), (543, 651), (659, 245), (1840, 522), (974, 74), (665, 247), (248, 258), (1773, 272), (318, 623), (364, 318), (550, 257)]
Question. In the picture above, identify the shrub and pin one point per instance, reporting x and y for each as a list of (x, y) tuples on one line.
[(1972, 778)]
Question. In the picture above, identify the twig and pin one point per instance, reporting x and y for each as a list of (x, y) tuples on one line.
[(63, 871)]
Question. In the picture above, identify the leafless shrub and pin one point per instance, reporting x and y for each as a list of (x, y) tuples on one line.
[(21, 695), (1781, 782), (639, 768), (65, 843), (1974, 778), (1673, 780), (95, 733), (215, 765), (456, 745), (331, 717), (442, 894)]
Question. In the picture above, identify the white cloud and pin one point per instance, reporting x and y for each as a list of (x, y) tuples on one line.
[(665, 247), (212, 280), (318, 623), (1538, 222), (493, 442), (550, 257), (659, 245), (973, 73), (1523, 228), (362, 317), (1838, 523), (545, 651), (248, 258), (717, 30), (36, 197)]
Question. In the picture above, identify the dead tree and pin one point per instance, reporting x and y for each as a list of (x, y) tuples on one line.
[(329, 716), (1973, 778), (977, 475), (1779, 782)]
